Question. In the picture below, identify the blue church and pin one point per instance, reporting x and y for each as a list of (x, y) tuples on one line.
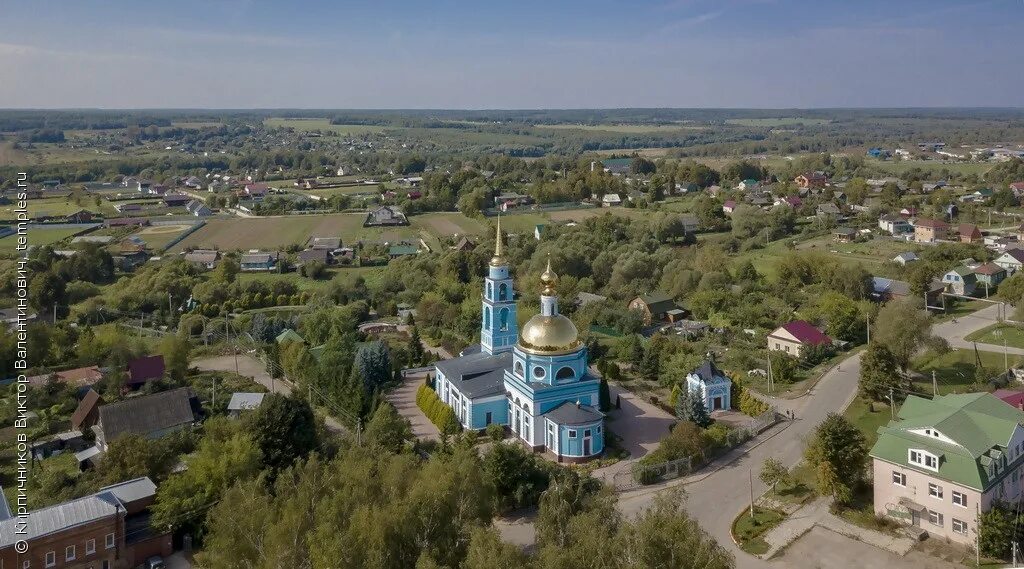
[(535, 381)]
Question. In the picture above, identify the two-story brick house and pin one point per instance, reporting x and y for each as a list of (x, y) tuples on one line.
[(946, 460), (107, 530)]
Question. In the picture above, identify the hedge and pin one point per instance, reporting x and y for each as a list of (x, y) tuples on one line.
[(439, 413)]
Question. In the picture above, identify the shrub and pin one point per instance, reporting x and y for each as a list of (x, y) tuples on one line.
[(750, 405), (496, 432), (439, 413)]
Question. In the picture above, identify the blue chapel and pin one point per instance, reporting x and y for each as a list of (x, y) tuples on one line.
[(534, 381)]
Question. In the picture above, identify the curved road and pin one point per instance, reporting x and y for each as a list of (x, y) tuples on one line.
[(715, 499)]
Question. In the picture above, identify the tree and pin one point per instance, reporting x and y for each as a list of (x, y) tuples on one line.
[(133, 456), (284, 429), (664, 535), (998, 530), (841, 316), (373, 361), (880, 375), (226, 271), (517, 476), (773, 473), (46, 290), (175, 350), (690, 407), (902, 327), (488, 551), (387, 429), (838, 454), (604, 396), (417, 355), (182, 500)]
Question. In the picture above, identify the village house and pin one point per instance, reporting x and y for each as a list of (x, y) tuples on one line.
[(792, 202), (145, 369), (968, 233), (611, 200), (894, 224), (385, 216), (109, 529), (402, 250), (1017, 188), (947, 459), (711, 386), (728, 207), (127, 207), (198, 208), (256, 192), (961, 280), (930, 230), (616, 166), (328, 243), (748, 185), (885, 289), (844, 234), (989, 275), (828, 209), (176, 200), (310, 255), (242, 402), (905, 258), (656, 307), (258, 261), (690, 223), (811, 180), (151, 416), (1012, 260), (206, 258), (794, 337), (88, 411)]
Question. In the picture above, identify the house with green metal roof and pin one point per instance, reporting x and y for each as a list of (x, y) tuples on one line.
[(961, 280), (289, 335), (657, 306), (942, 461)]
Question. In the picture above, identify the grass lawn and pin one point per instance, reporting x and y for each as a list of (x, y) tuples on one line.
[(998, 333), (955, 371), (58, 207), (278, 232), (955, 308), (868, 418), (159, 236), (38, 235), (749, 531)]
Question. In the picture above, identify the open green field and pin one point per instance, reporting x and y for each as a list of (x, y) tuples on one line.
[(997, 334), (275, 232), (444, 224), (900, 167), (339, 274), (955, 371), (56, 207), (38, 236), (321, 124), (873, 254), (622, 128), (782, 121), (159, 236), (196, 124)]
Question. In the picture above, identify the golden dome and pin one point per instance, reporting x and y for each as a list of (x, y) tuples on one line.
[(498, 260), (549, 279), (549, 335)]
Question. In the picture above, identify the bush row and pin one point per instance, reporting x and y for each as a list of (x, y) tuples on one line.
[(439, 413)]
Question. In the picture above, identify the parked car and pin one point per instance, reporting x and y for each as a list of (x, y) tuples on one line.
[(155, 562)]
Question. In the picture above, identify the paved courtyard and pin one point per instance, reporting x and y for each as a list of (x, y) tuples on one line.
[(821, 548)]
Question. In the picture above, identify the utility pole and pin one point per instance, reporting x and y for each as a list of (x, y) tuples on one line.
[(977, 535), (935, 385), (867, 323), (769, 372), (892, 406), (1006, 356), (750, 477), (214, 402)]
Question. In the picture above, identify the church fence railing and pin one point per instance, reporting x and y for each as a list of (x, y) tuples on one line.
[(642, 474)]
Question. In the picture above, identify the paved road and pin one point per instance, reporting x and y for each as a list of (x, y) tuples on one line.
[(955, 332), (715, 499), (249, 366), (403, 399)]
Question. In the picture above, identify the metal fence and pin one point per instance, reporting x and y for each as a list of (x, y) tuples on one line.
[(644, 474)]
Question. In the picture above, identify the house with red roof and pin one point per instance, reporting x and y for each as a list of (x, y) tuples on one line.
[(1017, 188), (793, 337), (811, 180), (1011, 396), (969, 233), (728, 207), (145, 369)]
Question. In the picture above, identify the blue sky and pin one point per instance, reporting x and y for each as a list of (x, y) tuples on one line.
[(522, 54)]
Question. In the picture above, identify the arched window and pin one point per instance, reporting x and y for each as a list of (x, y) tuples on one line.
[(490, 292), (519, 369), (525, 406), (538, 372), (565, 373), (503, 321), (503, 291), (487, 318)]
